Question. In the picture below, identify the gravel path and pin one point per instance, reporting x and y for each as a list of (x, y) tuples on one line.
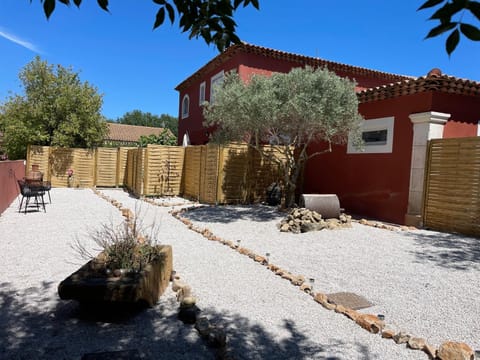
[(416, 279)]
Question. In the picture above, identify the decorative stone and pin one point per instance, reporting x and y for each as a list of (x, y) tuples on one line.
[(451, 350), (244, 251), (388, 334), (430, 350), (184, 292), (370, 323), (260, 259), (306, 287), (272, 267), (217, 338), (287, 276), (177, 284), (189, 315), (284, 228), (298, 280), (352, 314), (416, 343), (188, 301), (203, 326), (320, 298), (401, 337), (340, 309)]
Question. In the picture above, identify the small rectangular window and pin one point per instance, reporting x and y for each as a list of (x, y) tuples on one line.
[(201, 97), (215, 82), (375, 137)]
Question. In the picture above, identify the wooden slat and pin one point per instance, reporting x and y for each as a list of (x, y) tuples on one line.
[(452, 193)]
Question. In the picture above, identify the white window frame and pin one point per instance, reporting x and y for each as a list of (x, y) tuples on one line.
[(478, 128), (201, 95), (185, 112), (217, 78), (386, 123)]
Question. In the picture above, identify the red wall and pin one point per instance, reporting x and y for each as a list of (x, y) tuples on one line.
[(9, 172), (245, 65), (377, 185), (465, 111)]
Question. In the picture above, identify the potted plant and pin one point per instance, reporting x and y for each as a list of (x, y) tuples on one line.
[(130, 269)]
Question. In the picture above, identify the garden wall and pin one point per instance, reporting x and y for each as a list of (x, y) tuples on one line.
[(10, 171)]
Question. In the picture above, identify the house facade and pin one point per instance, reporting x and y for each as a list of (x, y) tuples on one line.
[(384, 180)]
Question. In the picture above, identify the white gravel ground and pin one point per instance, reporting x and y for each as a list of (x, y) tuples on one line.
[(422, 281)]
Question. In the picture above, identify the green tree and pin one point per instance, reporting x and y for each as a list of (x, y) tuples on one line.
[(289, 111), (164, 138), (137, 117), (453, 15), (56, 109), (211, 20)]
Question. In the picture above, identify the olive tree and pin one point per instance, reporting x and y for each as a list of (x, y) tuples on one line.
[(290, 112), (56, 109)]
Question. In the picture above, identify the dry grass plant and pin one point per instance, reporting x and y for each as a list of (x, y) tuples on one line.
[(129, 246)]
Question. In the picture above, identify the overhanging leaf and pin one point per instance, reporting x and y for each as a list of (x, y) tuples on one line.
[(430, 3), (48, 7), (470, 31), (103, 4), (171, 12), (160, 18), (77, 2), (474, 8), (440, 29), (452, 41)]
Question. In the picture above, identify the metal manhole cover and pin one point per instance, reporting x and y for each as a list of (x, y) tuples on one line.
[(349, 300)]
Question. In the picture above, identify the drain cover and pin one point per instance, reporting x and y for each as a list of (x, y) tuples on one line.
[(349, 300)]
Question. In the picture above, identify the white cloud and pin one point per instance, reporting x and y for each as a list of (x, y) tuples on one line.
[(15, 39)]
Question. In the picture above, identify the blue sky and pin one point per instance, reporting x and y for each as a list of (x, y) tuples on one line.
[(137, 68)]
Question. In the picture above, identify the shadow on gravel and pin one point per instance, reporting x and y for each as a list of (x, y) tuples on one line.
[(227, 214), (33, 325), (447, 250)]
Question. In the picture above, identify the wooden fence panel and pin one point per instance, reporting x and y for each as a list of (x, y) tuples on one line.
[(61, 160), (452, 186), (122, 169), (84, 167), (233, 173), (192, 171), (163, 170), (106, 166), (39, 155), (209, 174)]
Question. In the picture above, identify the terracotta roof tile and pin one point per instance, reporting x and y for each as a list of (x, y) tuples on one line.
[(431, 82), (302, 60), (122, 132)]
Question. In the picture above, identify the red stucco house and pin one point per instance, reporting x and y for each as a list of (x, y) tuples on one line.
[(401, 113)]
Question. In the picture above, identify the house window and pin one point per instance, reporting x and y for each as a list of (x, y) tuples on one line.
[(216, 81), (377, 136), (185, 106), (201, 97)]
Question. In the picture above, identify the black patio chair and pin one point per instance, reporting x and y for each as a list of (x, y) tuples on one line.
[(29, 191)]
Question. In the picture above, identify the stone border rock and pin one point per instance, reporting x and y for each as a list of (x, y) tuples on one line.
[(213, 334), (449, 350)]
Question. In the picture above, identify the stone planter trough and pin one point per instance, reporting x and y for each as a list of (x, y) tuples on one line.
[(89, 284)]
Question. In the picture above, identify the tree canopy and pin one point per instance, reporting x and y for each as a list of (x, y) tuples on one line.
[(140, 118), (56, 109), (288, 111), (211, 20), (445, 11)]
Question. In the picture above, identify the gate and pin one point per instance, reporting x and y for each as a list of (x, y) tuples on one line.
[(452, 186)]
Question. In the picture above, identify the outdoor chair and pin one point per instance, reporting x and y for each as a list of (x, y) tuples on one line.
[(29, 191)]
